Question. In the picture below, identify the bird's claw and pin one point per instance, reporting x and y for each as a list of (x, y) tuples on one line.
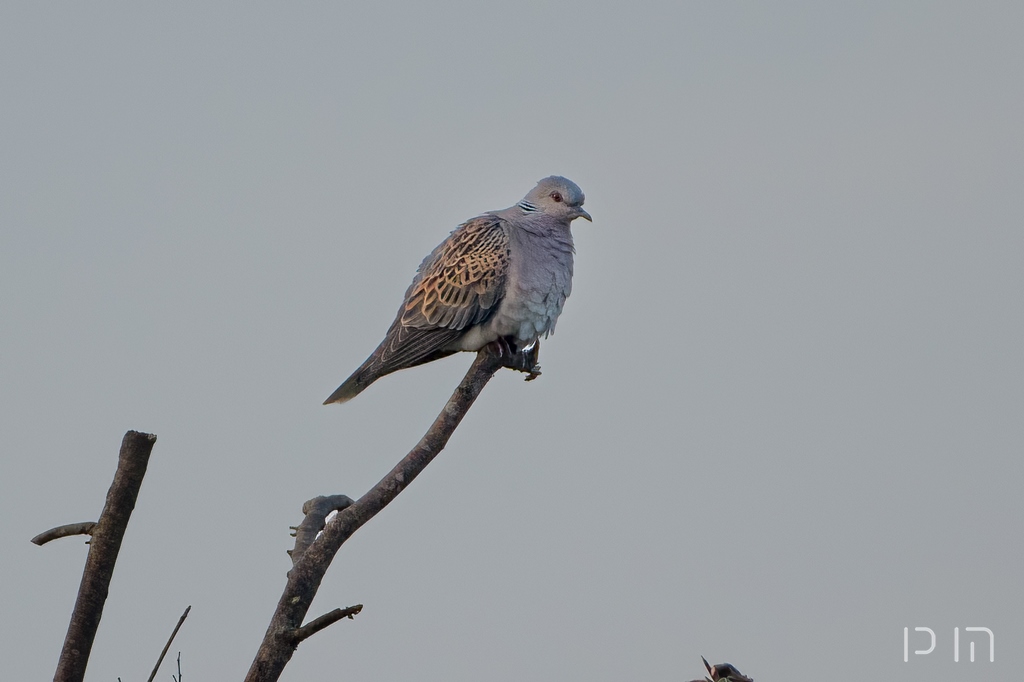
[(524, 361), (501, 347)]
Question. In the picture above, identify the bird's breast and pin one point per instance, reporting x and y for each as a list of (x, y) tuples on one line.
[(539, 281)]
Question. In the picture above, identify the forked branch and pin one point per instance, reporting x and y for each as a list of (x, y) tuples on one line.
[(286, 629), (316, 510), (106, 534)]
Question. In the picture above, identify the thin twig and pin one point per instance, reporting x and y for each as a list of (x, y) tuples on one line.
[(83, 528), (152, 675), (304, 579), (103, 549), (317, 624)]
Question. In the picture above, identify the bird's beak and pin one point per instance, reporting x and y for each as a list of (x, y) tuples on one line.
[(580, 213)]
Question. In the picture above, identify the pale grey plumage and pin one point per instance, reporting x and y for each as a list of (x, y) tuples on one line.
[(502, 276)]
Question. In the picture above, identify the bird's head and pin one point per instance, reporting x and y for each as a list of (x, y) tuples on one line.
[(724, 672), (556, 197)]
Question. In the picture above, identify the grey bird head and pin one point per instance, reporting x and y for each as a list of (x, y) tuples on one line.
[(557, 197)]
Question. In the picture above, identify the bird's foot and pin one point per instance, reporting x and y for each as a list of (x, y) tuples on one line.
[(530, 355), (524, 361)]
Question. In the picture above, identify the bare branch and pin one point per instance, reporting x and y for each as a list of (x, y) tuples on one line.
[(317, 624), (99, 565), (152, 675), (304, 579), (83, 528), (316, 510)]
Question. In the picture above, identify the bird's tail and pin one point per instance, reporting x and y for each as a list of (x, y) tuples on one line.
[(415, 347), (353, 386)]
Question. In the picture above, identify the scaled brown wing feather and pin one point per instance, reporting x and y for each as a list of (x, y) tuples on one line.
[(459, 285), (461, 282)]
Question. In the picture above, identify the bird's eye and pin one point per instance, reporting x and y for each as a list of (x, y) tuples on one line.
[(556, 196)]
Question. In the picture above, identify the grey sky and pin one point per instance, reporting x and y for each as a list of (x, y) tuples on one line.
[(781, 419)]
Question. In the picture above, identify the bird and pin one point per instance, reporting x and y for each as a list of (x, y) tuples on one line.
[(500, 278), (723, 672)]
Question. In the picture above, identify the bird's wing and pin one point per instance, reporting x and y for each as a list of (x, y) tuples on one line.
[(459, 285)]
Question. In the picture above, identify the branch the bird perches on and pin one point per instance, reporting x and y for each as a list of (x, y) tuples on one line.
[(312, 558)]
